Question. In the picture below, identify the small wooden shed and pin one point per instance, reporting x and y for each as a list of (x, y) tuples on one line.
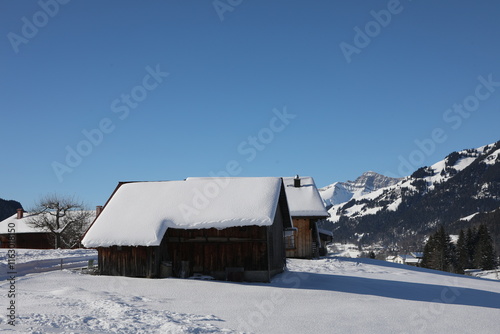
[(227, 228), (306, 209)]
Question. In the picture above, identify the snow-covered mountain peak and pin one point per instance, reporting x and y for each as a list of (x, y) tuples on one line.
[(340, 192), (467, 179)]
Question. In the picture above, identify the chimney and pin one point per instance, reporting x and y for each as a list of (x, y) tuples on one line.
[(20, 212), (98, 210), (296, 181)]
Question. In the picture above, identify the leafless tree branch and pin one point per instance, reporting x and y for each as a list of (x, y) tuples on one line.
[(64, 217)]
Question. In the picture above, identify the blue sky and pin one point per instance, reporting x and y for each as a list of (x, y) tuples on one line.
[(97, 92)]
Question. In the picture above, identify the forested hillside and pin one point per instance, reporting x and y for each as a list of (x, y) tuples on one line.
[(462, 190), (8, 208)]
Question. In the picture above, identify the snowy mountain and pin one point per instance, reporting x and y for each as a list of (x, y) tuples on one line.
[(446, 193), (341, 192)]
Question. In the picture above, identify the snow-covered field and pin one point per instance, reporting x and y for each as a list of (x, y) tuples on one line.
[(28, 255), (344, 250), (489, 274), (329, 295), (27, 261)]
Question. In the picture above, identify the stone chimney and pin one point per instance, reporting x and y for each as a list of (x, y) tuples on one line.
[(98, 210), (20, 213), (296, 181)]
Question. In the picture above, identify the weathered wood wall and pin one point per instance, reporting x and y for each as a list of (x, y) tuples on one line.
[(277, 256), (129, 261), (303, 239), (28, 240), (212, 250)]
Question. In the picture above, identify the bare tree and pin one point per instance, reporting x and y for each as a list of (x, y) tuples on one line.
[(64, 217)]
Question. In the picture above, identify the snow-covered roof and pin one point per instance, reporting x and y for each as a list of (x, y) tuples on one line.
[(408, 258), (417, 254), (325, 232), (22, 226), (139, 213), (412, 260), (304, 201)]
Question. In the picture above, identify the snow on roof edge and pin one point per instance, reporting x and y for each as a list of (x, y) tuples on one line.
[(304, 201), (260, 204)]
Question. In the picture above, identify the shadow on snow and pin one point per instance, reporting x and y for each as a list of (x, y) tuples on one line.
[(389, 289), (423, 292)]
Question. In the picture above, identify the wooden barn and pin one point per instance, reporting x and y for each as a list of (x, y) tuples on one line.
[(306, 208), (226, 228), (16, 233)]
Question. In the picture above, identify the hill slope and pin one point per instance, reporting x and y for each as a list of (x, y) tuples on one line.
[(463, 184), (8, 208)]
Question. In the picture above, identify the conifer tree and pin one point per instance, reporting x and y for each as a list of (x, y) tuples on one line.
[(471, 241), (428, 253), (439, 252), (462, 253), (485, 254), (474, 250)]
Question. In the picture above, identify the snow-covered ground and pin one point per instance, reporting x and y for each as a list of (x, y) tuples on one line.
[(329, 295), (489, 274), (28, 255), (344, 250), (27, 261)]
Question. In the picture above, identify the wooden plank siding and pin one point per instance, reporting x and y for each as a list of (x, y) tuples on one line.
[(211, 250), (307, 243), (276, 244), (303, 239), (129, 261), (28, 240), (257, 249)]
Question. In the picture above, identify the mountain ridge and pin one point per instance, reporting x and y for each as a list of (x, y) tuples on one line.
[(463, 184), (341, 192), (8, 208)]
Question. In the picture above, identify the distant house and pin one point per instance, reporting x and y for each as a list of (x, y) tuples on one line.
[(16, 231), (407, 259), (306, 208), (227, 228), (417, 255), (390, 258)]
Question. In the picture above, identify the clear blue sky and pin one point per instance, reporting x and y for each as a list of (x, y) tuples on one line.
[(355, 85)]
